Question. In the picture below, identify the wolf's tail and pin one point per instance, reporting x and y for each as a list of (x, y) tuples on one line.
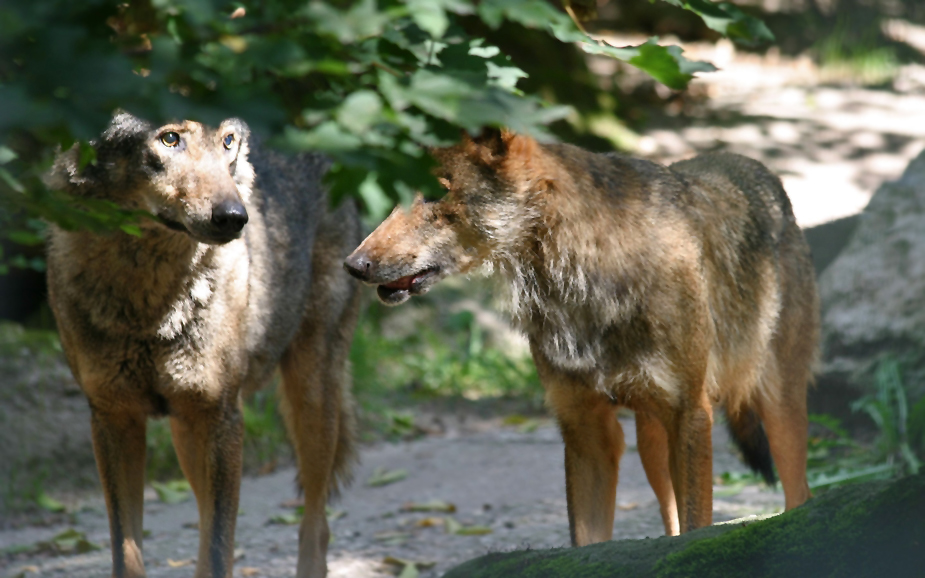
[(746, 429)]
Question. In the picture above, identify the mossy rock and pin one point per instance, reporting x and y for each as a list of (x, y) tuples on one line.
[(875, 529)]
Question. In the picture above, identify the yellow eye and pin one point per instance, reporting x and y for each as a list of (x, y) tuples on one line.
[(228, 141), (170, 139)]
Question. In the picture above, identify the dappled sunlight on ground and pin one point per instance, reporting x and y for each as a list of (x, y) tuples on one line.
[(832, 145)]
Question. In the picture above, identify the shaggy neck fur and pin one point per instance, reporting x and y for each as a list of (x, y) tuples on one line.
[(542, 257), (144, 288)]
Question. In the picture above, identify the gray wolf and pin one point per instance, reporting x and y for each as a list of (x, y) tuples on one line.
[(240, 273), (661, 289)]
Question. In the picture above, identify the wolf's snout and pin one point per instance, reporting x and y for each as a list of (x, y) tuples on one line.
[(229, 217), (360, 266)]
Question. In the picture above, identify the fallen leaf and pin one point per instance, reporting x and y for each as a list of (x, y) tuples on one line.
[(172, 492), (514, 419), (408, 568), (385, 476), (454, 527), (69, 542), (179, 563), (334, 514), (392, 538), (285, 519), (451, 525), (431, 506), (628, 506), (249, 571), (293, 503), (49, 504), (430, 522), (529, 426)]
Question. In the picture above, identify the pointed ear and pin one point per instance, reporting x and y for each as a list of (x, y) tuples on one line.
[(494, 145), (63, 174)]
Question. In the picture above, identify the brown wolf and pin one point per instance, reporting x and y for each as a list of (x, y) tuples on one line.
[(659, 289), (201, 310)]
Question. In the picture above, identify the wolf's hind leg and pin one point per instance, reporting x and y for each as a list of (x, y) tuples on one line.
[(691, 461), (593, 446), (652, 443), (209, 442), (119, 445), (787, 427), (317, 403)]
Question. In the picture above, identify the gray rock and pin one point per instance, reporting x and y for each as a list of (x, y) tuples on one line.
[(873, 297)]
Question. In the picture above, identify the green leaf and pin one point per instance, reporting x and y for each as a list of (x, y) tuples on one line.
[(11, 181), (664, 63), (385, 476), (7, 155), (430, 16), (361, 109), (328, 137), (173, 492), (728, 20), (27, 238), (48, 503), (131, 229), (363, 20), (87, 155), (70, 542), (287, 519)]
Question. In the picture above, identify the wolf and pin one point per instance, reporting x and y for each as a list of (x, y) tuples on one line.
[(665, 290), (239, 273)]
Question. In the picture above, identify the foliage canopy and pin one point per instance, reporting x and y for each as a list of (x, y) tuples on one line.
[(372, 83)]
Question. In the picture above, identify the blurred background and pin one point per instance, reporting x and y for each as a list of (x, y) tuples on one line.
[(835, 106)]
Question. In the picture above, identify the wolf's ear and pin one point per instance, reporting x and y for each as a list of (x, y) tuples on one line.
[(494, 145), (64, 174)]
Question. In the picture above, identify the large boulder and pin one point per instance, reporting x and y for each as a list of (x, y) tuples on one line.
[(873, 297), (866, 530)]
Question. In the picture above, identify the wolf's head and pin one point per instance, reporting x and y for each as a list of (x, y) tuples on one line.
[(493, 183), (194, 179)]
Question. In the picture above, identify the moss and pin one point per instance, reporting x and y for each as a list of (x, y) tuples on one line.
[(873, 529)]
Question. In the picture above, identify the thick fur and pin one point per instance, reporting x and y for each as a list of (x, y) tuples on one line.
[(664, 290), (190, 316)]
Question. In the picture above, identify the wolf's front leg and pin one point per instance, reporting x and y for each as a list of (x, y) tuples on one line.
[(209, 444), (652, 443), (593, 446), (119, 445), (691, 461)]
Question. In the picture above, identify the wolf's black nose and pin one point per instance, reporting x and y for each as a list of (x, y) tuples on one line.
[(229, 217), (360, 266)]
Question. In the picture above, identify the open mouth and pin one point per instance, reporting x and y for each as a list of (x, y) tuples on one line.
[(400, 289)]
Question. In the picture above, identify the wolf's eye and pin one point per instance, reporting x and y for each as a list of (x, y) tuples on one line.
[(228, 141), (170, 139)]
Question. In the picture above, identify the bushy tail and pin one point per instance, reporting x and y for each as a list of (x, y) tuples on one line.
[(746, 429)]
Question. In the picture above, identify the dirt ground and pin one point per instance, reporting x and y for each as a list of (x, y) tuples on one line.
[(507, 481), (833, 146)]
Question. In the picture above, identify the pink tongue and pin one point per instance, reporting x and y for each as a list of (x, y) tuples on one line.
[(403, 283)]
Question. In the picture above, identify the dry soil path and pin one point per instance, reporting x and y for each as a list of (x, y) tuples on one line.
[(508, 481)]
